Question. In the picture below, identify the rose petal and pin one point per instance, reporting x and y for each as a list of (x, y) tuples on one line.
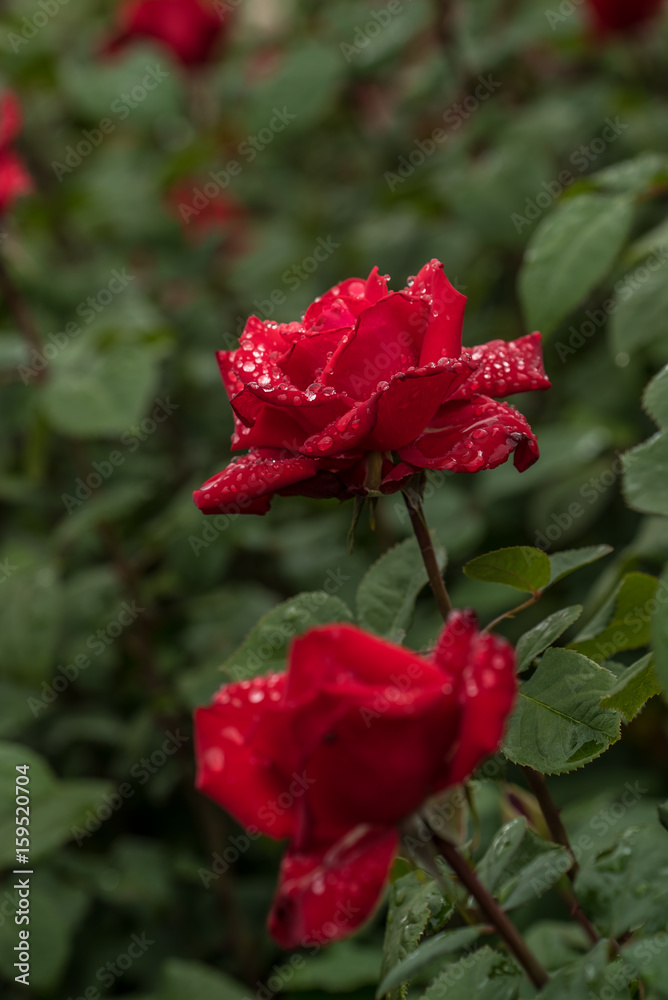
[(230, 770), (443, 336), (14, 179), (472, 435), (248, 483), (326, 894), (410, 402), (386, 340), (610, 16), (190, 29), (341, 305), (481, 668), (505, 368)]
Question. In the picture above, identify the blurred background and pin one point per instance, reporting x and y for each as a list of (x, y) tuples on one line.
[(172, 198)]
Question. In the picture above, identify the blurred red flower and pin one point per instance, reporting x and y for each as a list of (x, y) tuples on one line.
[(202, 217), (190, 29), (369, 387), (14, 178), (611, 16), (338, 751)]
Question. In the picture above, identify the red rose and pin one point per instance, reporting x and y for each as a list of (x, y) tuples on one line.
[(202, 217), (610, 16), (369, 371), (190, 29), (14, 178), (335, 753)]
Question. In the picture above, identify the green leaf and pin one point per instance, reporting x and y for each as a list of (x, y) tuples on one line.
[(663, 814), (557, 943), (56, 909), (636, 175), (645, 483), (522, 567), (570, 253), (629, 627), (100, 391), (534, 642), (29, 623), (640, 315), (564, 563), (500, 852), (433, 948), (520, 866), (182, 979), (655, 398), (341, 968), (484, 975), (623, 888), (635, 686), (659, 629), (265, 649), (417, 907), (387, 594), (591, 975), (558, 724), (649, 956)]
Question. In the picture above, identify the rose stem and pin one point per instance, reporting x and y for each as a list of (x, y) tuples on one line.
[(436, 582), (493, 912), (538, 785)]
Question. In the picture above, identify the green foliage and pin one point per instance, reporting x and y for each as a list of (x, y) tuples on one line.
[(570, 253), (623, 623), (387, 594), (635, 686), (485, 975), (620, 888), (537, 639), (426, 953), (646, 466), (521, 567), (416, 907), (558, 724)]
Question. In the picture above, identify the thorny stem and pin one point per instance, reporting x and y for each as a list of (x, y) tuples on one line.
[(416, 514), (538, 786), (493, 912)]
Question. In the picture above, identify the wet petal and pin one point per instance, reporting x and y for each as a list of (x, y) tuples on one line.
[(248, 483), (472, 435), (230, 770), (327, 893), (505, 368), (443, 336)]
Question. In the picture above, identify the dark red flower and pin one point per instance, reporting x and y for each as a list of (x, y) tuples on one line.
[(190, 29), (202, 217), (14, 178), (369, 387), (335, 753), (611, 16)]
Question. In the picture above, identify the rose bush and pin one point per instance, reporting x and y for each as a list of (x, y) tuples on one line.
[(190, 29), (14, 178), (610, 16), (337, 751), (368, 388)]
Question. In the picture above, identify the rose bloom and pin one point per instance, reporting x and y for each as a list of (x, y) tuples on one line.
[(368, 388), (334, 754), (14, 178), (611, 16), (190, 29)]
